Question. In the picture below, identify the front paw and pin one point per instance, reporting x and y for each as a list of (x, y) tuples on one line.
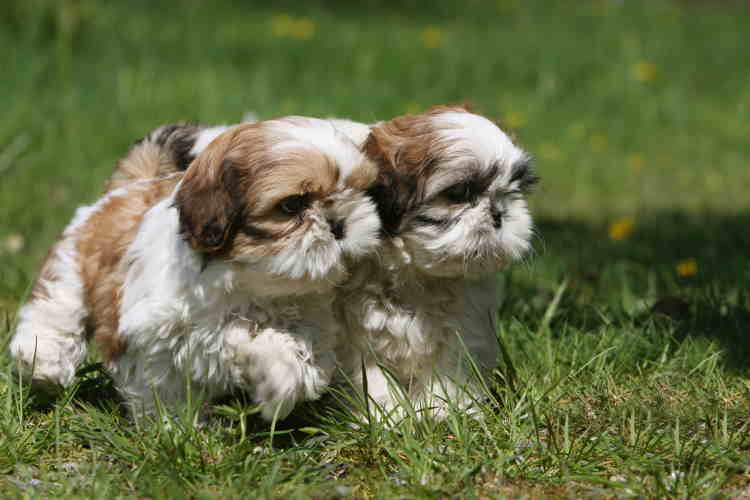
[(281, 371)]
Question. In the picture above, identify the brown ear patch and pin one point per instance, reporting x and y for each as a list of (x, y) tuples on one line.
[(405, 150), (207, 207), (211, 197)]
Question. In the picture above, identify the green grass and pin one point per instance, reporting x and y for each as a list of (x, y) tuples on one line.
[(632, 379)]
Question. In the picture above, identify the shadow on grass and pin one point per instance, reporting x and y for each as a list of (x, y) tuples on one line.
[(691, 270)]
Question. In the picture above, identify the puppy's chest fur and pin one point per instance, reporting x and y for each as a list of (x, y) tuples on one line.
[(304, 314), (408, 319)]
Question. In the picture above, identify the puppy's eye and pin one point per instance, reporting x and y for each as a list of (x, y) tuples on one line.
[(295, 204), (459, 193)]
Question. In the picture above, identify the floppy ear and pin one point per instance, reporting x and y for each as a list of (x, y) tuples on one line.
[(208, 201), (400, 150), (386, 191)]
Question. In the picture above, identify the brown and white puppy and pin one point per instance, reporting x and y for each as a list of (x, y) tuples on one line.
[(221, 278), (450, 195)]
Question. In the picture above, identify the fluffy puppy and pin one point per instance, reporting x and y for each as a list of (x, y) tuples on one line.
[(450, 195), (218, 278)]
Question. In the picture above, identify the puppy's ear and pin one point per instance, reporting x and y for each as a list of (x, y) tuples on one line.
[(208, 201), (400, 148)]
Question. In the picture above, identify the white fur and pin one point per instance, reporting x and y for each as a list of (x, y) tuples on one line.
[(356, 131), (323, 135), (207, 135)]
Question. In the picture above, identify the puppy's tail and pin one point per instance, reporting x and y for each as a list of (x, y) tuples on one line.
[(166, 150)]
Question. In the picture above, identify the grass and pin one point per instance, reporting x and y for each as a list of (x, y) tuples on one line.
[(627, 329)]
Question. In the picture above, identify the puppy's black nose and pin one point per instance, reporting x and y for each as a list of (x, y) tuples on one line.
[(497, 217), (337, 227)]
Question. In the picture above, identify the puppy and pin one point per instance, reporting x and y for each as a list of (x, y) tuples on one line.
[(218, 278), (450, 195)]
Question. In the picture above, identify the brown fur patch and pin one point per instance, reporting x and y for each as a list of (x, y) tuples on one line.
[(164, 151), (143, 161), (363, 177), (101, 244), (45, 277), (405, 150)]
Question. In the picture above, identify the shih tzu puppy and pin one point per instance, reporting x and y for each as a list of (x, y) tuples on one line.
[(421, 315), (217, 278)]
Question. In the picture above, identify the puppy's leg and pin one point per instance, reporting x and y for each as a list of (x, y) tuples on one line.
[(49, 342), (385, 395), (147, 380), (281, 369), (455, 380)]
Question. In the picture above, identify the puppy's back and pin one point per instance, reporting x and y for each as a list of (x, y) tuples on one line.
[(101, 242), (166, 150)]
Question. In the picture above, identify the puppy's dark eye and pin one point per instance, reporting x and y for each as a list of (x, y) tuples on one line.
[(295, 204), (459, 193)]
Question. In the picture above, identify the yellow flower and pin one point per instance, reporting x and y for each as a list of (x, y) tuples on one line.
[(621, 228), (598, 143), (636, 162), (515, 119), (283, 25), (14, 243), (432, 37), (687, 267), (644, 71), (303, 29)]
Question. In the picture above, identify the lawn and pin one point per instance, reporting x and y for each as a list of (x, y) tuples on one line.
[(626, 329)]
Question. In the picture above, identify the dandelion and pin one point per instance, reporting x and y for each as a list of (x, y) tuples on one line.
[(635, 162), (303, 29), (515, 119), (644, 71), (432, 37), (687, 267), (283, 25), (621, 228), (14, 243), (598, 143)]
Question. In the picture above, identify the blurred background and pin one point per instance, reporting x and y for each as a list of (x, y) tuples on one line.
[(636, 112)]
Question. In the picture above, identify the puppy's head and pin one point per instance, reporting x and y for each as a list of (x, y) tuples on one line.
[(451, 185), (283, 197)]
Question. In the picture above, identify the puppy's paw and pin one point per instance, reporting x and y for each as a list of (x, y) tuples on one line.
[(43, 361), (280, 371)]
